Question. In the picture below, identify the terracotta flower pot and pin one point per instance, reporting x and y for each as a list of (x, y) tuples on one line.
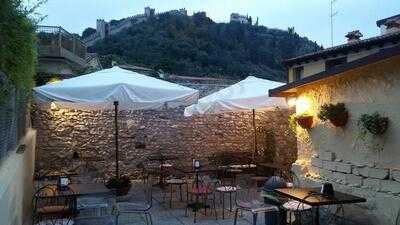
[(305, 122), (340, 120)]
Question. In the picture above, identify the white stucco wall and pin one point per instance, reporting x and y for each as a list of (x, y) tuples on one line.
[(314, 68), (16, 184), (357, 167)]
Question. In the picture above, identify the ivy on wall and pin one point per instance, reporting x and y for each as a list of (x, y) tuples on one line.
[(18, 52)]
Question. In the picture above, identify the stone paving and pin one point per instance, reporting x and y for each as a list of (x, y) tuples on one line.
[(162, 214)]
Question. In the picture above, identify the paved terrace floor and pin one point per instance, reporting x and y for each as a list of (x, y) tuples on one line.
[(162, 214)]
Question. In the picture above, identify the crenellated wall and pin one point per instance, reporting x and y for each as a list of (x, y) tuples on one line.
[(367, 167)]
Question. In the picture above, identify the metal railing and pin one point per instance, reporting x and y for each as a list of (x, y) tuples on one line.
[(13, 119), (54, 41)]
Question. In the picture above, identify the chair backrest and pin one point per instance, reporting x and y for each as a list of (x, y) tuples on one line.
[(51, 203), (141, 193), (205, 180), (247, 191)]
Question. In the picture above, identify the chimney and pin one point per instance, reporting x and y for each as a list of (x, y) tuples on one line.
[(353, 36), (392, 25)]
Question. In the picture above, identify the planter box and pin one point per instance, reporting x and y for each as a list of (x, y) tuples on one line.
[(305, 122)]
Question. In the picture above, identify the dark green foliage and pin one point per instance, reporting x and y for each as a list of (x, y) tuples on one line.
[(331, 111), (117, 183), (195, 45), (17, 47), (266, 145), (374, 123), (88, 31), (106, 60)]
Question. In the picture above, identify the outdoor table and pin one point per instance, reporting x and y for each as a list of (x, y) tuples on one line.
[(54, 175), (161, 158), (312, 197)]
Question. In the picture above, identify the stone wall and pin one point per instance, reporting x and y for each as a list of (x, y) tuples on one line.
[(91, 134), (16, 183), (368, 168)]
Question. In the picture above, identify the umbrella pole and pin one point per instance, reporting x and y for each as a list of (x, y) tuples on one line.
[(255, 134), (116, 138)]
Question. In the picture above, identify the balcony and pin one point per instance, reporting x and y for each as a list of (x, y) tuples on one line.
[(55, 42)]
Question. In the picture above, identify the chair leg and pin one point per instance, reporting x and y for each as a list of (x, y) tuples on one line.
[(236, 216), (223, 205), (146, 218), (230, 201), (150, 218), (170, 197), (180, 191), (215, 208), (300, 218), (205, 204), (255, 218)]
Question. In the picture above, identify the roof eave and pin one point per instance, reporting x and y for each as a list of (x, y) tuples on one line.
[(290, 88)]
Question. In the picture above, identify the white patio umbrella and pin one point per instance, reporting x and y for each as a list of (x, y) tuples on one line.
[(115, 88), (247, 95)]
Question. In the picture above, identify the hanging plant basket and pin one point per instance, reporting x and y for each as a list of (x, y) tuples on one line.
[(340, 120), (374, 123), (337, 114), (305, 122), (121, 185)]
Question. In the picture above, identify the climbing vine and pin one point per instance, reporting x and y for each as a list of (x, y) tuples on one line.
[(18, 52)]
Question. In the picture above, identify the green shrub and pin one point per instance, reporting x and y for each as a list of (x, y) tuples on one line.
[(374, 123), (331, 111), (17, 47), (121, 182)]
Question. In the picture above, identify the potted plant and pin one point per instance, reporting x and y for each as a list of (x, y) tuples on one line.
[(374, 123), (337, 114), (304, 120), (122, 185)]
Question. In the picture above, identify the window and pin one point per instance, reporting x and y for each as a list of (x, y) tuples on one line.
[(298, 73), (330, 63)]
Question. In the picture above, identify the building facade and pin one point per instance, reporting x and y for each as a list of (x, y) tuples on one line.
[(364, 74)]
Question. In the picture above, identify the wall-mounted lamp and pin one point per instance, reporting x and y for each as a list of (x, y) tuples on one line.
[(302, 105), (53, 106)]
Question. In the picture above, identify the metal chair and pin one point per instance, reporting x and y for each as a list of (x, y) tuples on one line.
[(96, 206), (50, 207), (227, 188), (248, 199), (295, 208), (138, 204), (203, 192)]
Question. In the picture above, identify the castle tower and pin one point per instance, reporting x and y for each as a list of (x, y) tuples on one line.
[(101, 28), (149, 12)]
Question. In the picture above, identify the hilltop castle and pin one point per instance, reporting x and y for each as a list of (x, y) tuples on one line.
[(105, 29)]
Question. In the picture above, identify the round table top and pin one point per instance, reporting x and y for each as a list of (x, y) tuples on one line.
[(259, 178), (175, 181), (227, 189), (234, 170)]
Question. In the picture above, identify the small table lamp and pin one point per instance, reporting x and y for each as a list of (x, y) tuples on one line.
[(196, 164), (63, 182)]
